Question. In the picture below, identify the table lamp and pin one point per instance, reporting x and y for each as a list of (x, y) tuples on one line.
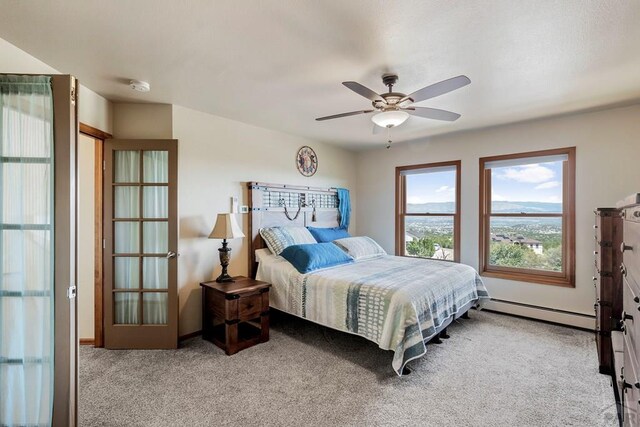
[(226, 228)]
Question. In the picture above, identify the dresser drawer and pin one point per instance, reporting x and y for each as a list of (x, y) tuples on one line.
[(250, 306), (631, 254), (630, 386), (632, 319)]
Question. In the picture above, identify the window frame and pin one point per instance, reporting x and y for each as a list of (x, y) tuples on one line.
[(401, 198), (566, 278)]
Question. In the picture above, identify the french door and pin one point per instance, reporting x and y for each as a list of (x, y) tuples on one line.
[(140, 244), (38, 343)]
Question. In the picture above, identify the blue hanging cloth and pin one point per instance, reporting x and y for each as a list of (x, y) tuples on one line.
[(344, 207)]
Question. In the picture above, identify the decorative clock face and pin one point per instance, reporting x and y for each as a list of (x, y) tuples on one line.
[(307, 161)]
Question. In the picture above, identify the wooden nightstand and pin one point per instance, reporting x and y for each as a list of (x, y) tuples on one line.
[(235, 315)]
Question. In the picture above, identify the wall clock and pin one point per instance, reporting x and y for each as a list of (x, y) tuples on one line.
[(307, 161)]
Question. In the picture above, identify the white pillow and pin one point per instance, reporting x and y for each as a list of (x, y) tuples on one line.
[(278, 238), (360, 248)]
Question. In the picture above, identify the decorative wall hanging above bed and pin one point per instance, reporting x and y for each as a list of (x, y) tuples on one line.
[(306, 161)]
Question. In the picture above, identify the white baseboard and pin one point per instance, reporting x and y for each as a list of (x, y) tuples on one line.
[(542, 313)]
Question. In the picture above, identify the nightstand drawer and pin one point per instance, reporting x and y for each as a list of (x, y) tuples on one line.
[(250, 307)]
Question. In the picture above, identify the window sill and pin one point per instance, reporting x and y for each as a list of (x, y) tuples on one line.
[(530, 278)]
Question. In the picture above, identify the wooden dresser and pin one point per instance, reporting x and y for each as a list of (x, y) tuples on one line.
[(607, 280), (629, 378)]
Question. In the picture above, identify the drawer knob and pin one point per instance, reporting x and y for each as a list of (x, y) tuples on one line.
[(625, 247), (636, 214), (636, 299), (623, 269), (595, 227)]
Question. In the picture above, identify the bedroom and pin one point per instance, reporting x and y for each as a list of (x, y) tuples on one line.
[(239, 86)]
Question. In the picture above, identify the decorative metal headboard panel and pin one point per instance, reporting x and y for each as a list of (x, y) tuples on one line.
[(272, 205)]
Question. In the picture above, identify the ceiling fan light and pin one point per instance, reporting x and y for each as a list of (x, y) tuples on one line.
[(387, 119)]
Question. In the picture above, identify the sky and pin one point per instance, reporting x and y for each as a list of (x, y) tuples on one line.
[(539, 182)]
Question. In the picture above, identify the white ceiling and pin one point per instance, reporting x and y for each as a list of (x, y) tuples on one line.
[(279, 63)]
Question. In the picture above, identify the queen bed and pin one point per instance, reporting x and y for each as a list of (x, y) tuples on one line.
[(400, 303)]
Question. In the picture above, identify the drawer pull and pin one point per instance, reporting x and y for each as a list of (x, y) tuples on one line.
[(595, 227), (624, 247), (636, 214), (595, 252), (623, 269), (636, 300), (625, 384), (626, 316)]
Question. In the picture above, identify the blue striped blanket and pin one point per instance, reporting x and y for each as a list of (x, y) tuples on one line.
[(396, 302)]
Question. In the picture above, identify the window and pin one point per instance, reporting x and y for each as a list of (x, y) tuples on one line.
[(527, 217), (428, 211)]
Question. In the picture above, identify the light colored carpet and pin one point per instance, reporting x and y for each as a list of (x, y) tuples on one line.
[(494, 371)]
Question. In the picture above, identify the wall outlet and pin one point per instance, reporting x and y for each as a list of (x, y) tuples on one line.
[(244, 209)]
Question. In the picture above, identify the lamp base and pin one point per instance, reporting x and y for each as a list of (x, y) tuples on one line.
[(224, 262), (224, 278)]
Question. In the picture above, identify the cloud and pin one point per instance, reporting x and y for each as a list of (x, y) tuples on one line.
[(546, 185), (444, 188), (498, 198), (532, 174), (414, 200)]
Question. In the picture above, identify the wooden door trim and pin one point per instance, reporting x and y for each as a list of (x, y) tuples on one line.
[(99, 136)]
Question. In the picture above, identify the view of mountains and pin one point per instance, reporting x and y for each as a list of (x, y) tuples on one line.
[(498, 207)]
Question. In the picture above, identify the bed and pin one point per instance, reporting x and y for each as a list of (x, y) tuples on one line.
[(400, 303)]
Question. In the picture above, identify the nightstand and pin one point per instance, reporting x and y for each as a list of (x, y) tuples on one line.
[(235, 315)]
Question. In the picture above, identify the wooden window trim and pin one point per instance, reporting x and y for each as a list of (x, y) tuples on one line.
[(401, 198), (567, 277)]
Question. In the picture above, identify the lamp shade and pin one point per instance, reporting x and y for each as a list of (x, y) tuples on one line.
[(226, 227), (390, 118)]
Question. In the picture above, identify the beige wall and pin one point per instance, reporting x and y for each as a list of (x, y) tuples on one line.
[(86, 236), (608, 150), (93, 109), (216, 158), (142, 121)]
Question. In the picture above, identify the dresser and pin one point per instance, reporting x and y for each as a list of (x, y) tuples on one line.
[(629, 378), (607, 281)]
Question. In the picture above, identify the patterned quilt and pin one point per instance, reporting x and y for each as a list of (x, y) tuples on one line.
[(396, 302)]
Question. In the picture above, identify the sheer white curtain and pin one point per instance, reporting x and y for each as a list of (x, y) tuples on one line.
[(154, 236), (26, 245)]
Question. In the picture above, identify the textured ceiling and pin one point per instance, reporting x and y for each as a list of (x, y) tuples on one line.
[(279, 63)]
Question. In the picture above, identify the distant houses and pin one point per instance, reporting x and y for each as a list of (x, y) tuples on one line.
[(534, 245)]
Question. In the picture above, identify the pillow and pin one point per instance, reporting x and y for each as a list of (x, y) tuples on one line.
[(360, 248), (278, 238), (310, 257), (328, 234)]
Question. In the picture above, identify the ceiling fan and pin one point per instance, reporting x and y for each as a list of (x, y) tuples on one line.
[(394, 108)]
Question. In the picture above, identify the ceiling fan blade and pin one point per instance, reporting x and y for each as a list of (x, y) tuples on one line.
[(438, 89), (363, 91), (433, 113), (337, 116)]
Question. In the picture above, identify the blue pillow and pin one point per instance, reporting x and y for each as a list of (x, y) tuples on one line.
[(314, 256), (328, 234)]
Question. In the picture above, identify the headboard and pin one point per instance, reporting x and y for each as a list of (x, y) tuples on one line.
[(269, 205)]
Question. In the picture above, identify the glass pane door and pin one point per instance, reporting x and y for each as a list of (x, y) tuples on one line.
[(141, 233), (143, 242), (26, 245)]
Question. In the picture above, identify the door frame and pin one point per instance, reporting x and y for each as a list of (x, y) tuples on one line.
[(99, 136)]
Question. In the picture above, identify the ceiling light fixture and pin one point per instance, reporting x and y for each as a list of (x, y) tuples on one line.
[(391, 118), (139, 85)]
